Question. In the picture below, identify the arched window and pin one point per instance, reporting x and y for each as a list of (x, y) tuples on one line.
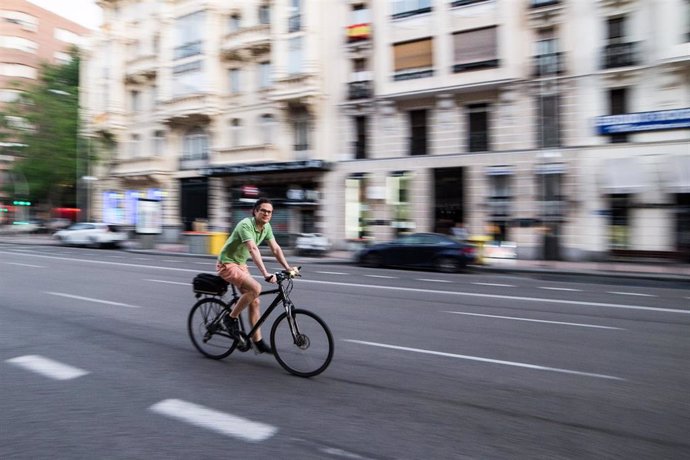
[(195, 145)]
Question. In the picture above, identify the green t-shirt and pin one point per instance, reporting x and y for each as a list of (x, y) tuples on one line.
[(234, 250)]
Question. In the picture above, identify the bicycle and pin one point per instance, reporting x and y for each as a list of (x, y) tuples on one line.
[(302, 342)]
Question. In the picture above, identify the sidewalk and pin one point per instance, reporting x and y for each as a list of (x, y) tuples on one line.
[(641, 269)]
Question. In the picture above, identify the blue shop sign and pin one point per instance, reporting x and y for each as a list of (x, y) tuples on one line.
[(643, 121)]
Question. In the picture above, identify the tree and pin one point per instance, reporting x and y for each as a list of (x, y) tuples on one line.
[(45, 122)]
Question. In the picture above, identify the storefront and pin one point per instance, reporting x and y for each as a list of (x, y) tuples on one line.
[(293, 187)]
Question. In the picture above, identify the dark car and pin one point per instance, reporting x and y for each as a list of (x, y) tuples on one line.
[(420, 250)]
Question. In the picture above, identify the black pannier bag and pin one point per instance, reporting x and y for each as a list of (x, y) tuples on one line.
[(206, 283)]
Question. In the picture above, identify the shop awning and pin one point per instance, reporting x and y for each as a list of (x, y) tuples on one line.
[(623, 176), (678, 174)]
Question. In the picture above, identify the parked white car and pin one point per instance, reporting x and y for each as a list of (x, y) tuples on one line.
[(94, 234), (311, 243)]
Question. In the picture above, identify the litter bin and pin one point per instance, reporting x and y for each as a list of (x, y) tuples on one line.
[(216, 240), (479, 241), (197, 242)]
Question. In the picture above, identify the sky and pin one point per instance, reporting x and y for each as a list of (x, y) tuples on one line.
[(84, 12)]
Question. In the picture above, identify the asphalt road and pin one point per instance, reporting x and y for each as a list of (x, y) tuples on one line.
[(95, 362)]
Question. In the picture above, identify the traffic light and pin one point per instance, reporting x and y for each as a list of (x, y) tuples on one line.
[(21, 203)]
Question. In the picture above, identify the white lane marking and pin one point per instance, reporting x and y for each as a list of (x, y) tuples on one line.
[(369, 286), (429, 280), (332, 273), (506, 297), (47, 367), (142, 258), (559, 289), (171, 282), (535, 320), (167, 261), (89, 299), (25, 265), (220, 422), (631, 293), (382, 276), (485, 360), (204, 263), (495, 284)]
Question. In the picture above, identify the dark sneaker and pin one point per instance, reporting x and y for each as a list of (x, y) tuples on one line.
[(233, 327), (261, 347)]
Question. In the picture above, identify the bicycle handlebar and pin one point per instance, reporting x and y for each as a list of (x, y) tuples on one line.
[(285, 274)]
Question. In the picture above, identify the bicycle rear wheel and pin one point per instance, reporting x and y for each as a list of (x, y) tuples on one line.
[(207, 331), (308, 353)]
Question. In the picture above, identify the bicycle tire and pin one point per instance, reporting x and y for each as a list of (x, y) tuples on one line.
[(310, 358), (206, 334)]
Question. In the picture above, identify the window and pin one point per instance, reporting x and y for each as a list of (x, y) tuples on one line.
[(295, 56), (549, 185), (405, 8), (295, 18), (475, 49), (18, 70), (301, 126), (188, 78), (135, 101), (18, 43), (478, 127), (9, 95), (264, 14), (264, 75), (546, 52), (413, 59), (62, 58), (68, 37), (235, 132), (615, 29), (549, 129), (267, 126), (189, 34), (234, 80), (195, 145), (361, 137), (134, 146), (25, 21), (686, 37), (234, 23), (356, 208), (159, 142), (500, 199), (618, 105), (398, 187), (418, 132)]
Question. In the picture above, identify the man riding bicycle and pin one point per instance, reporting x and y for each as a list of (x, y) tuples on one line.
[(243, 243)]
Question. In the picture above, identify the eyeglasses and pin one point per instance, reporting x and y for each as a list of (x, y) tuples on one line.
[(266, 211)]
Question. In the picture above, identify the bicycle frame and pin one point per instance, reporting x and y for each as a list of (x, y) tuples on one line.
[(281, 297)]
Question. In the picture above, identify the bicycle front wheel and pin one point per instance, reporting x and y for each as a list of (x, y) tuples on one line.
[(309, 351), (207, 331)]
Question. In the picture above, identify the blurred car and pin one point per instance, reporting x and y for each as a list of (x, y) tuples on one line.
[(58, 223), (94, 234), (312, 244), (420, 250)]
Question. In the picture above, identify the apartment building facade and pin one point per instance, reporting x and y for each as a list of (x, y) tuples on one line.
[(29, 36), (207, 105), (559, 125)]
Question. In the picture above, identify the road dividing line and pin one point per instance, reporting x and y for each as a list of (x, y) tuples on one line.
[(495, 284), (382, 276), (220, 422), (25, 265), (332, 273), (47, 367), (171, 282), (535, 320), (559, 289), (486, 360), (429, 280), (89, 299), (631, 293)]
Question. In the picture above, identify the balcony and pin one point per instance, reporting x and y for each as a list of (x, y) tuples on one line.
[(143, 166), (549, 64), (199, 162), (499, 206), (360, 89), (295, 23), (552, 208), (542, 3), (141, 69), (188, 49), (294, 88), (545, 13), (247, 42), (246, 154), (189, 109), (617, 55)]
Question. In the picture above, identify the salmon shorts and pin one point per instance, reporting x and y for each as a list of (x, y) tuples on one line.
[(234, 273)]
